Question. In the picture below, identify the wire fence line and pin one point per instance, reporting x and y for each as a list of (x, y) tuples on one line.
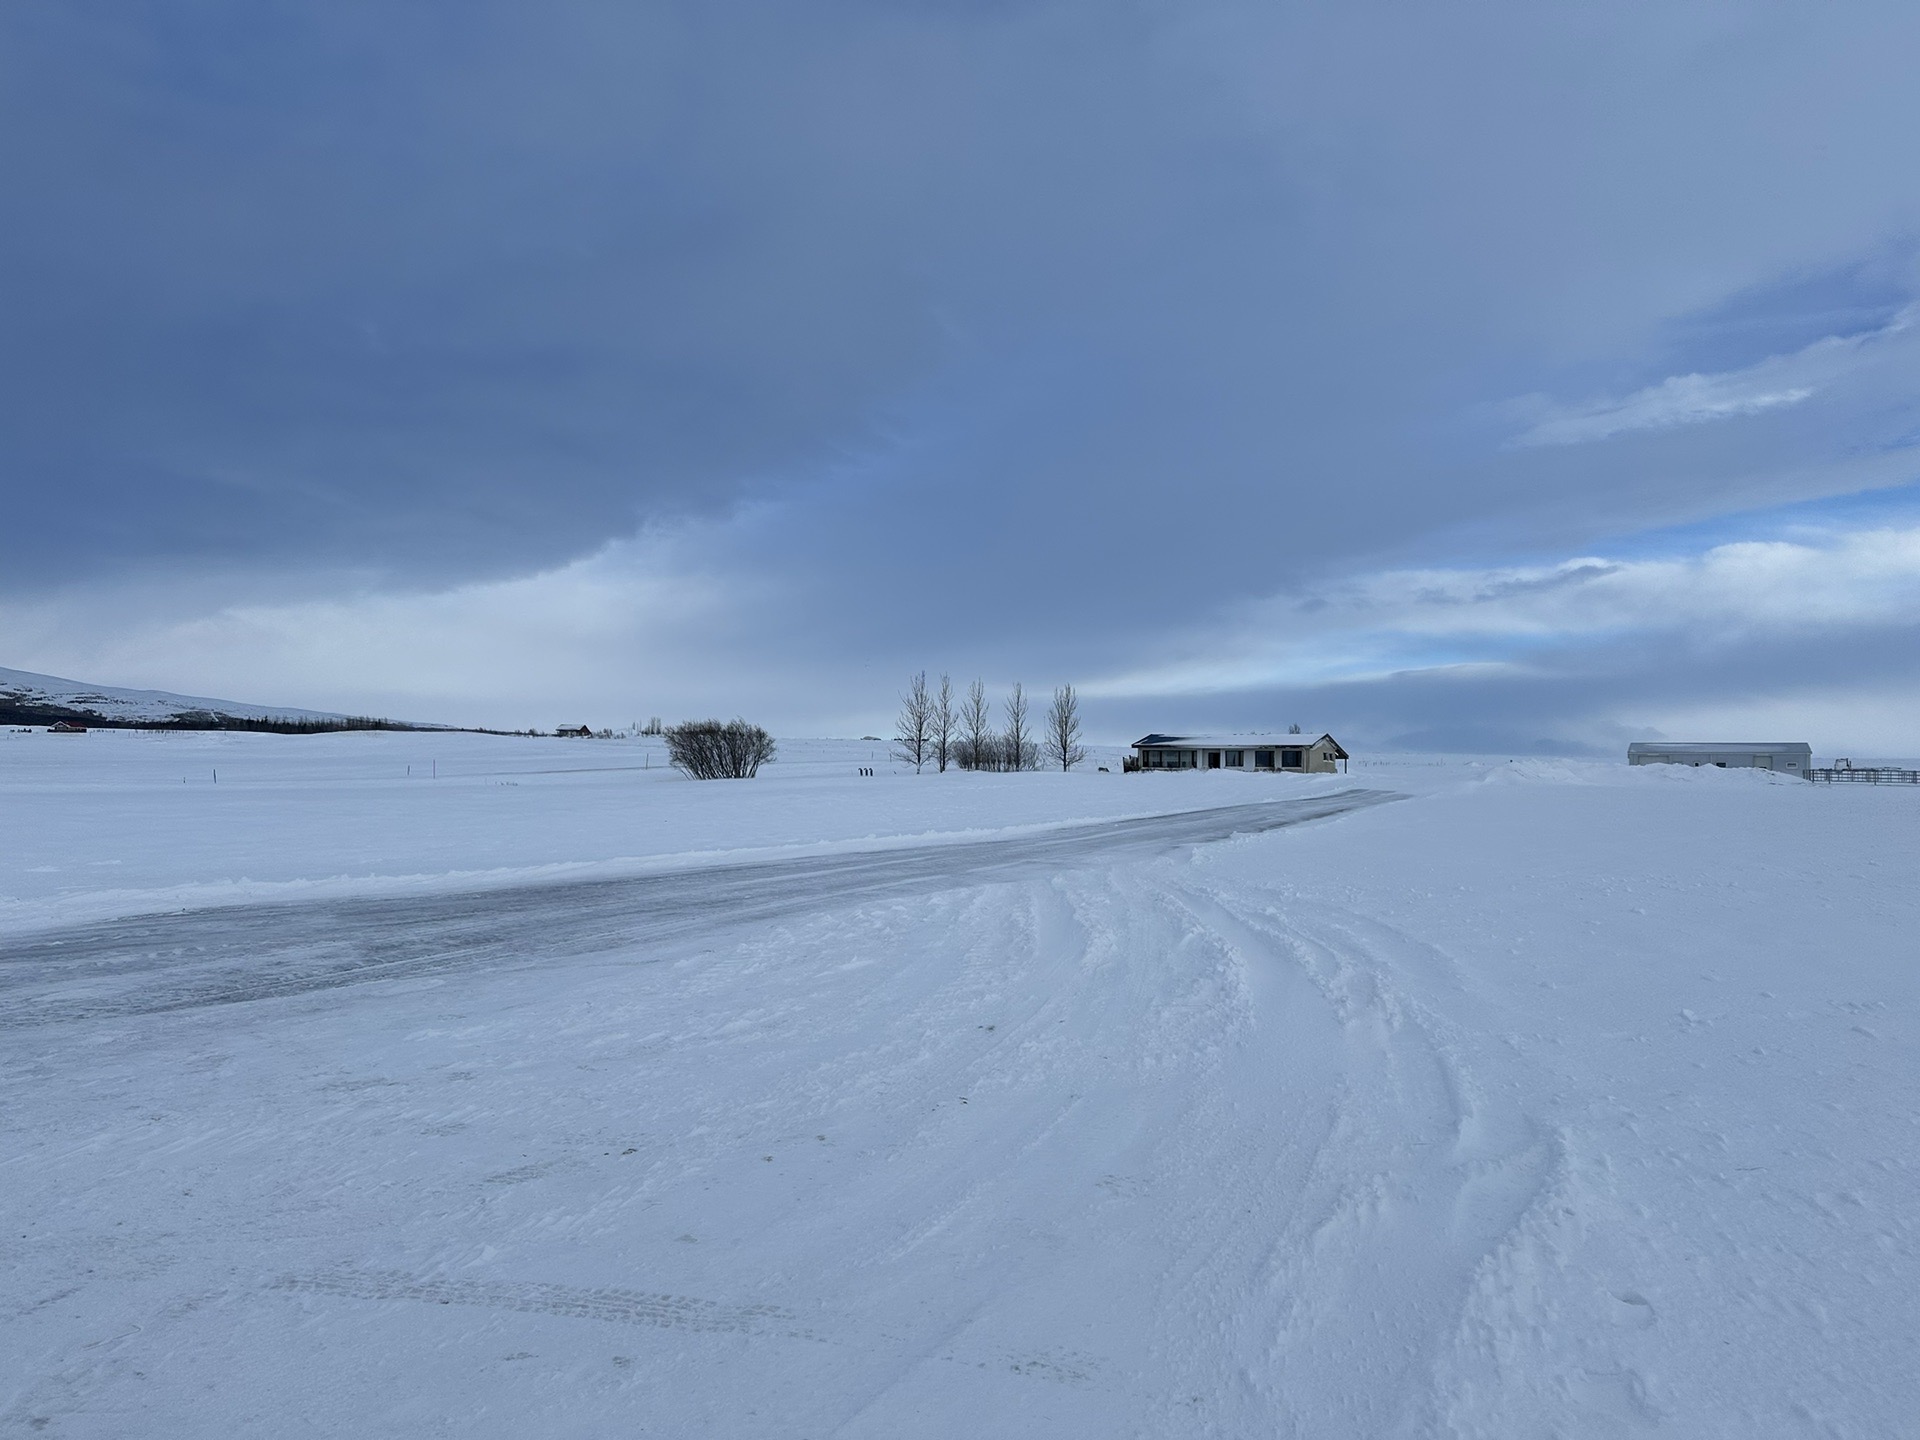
[(1865, 775)]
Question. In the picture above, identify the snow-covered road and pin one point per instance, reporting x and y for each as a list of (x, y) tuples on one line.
[(236, 953)]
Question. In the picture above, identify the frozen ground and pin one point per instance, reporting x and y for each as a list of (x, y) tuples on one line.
[(1552, 1099)]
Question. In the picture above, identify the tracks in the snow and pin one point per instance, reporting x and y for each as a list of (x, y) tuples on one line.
[(155, 963), (609, 1304), (1422, 1180)]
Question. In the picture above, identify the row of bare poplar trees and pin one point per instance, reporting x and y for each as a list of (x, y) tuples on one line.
[(941, 727)]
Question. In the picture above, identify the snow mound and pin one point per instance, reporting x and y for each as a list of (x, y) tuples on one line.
[(1541, 771)]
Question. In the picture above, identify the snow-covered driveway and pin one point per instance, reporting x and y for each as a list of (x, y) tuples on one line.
[(174, 961)]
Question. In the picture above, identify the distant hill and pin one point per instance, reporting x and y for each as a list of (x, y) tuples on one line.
[(29, 699)]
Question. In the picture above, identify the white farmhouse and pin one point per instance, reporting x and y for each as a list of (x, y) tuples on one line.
[(1292, 753), (1791, 757)]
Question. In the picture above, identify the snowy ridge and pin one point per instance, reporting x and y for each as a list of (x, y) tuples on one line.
[(23, 690)]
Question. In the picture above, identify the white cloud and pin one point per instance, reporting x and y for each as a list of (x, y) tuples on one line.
[(654, 625), (1402, 620), (634, 625), (1774, 383), (1677, 400)]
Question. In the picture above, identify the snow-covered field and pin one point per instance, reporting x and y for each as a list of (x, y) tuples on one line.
[(1551, 1099)]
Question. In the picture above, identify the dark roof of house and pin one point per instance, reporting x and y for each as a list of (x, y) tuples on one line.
[(1237, 742)]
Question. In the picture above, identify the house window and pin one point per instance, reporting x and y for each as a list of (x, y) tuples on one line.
[(1237, 759), (1263, 759), (1292, 759)]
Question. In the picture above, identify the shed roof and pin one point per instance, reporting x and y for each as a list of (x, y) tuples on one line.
[(1723, 747)]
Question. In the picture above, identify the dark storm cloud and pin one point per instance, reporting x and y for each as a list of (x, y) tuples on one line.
[(433, 289), (1017, 337)]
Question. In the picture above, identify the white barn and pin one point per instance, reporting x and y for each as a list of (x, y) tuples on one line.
[(1791, 757), (1294, 754)]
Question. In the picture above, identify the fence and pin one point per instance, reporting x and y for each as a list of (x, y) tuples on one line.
[(1866, 775)]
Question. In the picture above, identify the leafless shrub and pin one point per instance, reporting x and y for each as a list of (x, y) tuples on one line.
[(711, 750), (982, 754)]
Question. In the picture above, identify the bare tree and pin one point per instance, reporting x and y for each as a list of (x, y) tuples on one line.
[(977, 740), (943, 722), (1063, 729), (709, 750), (1017, 741), (913, 735)]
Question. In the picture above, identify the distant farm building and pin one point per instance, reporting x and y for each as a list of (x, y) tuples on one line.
[(1294, 754), (580, 732), (66, 727), (1791, 757)]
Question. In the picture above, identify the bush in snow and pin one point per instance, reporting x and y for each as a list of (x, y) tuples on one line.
[(710, 750), (981, 754)]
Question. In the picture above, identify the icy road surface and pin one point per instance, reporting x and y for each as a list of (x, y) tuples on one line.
[(1555, 1100), (238, 953)]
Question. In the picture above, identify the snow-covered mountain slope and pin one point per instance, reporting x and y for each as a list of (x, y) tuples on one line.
[(29, 698)]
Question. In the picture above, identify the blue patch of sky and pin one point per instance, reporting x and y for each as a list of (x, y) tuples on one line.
[(1883, 506), (1787, 316), (1403, 650), (1897, 505), (1862, 510)]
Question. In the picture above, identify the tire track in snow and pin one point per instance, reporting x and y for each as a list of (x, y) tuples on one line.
[(1418, 1189), (607, 1304), (613, 1305), (234, 954), (1528, 1206)]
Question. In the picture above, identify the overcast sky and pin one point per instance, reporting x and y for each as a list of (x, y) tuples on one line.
[(1495, 376)]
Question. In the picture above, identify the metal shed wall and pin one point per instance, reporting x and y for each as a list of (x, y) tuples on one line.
[(1789, 757)]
